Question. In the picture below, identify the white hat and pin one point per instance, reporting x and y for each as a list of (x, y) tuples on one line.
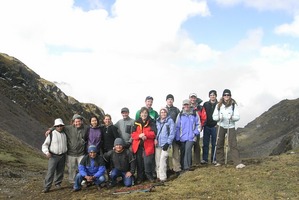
[(192, 95), (58, 122)]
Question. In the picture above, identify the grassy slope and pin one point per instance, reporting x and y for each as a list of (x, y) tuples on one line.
[(263, 178)]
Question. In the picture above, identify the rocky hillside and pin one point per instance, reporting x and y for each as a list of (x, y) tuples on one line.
[(274, 132), (29, 104)]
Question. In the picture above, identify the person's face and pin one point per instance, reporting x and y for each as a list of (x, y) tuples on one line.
[(212, 97), (93, 122), (59, 128), (149, 103), (92, 154), (143, 115), (163, 114), (78, 123), (107, 120), (118, 148), (226, 96), (169, 102), (186, 107), (193, 100), (125, 115)]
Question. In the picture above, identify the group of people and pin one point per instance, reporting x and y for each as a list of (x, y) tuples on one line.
[(101, 153)]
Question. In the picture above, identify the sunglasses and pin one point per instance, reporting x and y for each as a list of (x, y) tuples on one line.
[(59, 126), (226, 95)]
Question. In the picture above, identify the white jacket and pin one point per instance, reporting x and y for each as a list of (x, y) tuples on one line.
[(58, 144), (226, 116)]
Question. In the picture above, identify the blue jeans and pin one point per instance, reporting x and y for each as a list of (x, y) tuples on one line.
[(209, 133), (79, 178), (117, 173)]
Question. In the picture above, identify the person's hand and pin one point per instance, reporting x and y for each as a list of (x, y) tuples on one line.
[(141, 135), (128, 174), (156, 142), (89, 178), (178, 142), (48, 155), (165, 147), (47, 133), (195, 139), (220, 117)]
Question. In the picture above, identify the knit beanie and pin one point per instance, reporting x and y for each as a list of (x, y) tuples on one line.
[(118, 141), (92, 148), (169, 96), (226, 91), (76, 116)]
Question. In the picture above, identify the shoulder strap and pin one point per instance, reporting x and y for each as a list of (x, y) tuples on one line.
[(50, 134)]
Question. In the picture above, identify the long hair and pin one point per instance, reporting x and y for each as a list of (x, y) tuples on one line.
[(227, 104)]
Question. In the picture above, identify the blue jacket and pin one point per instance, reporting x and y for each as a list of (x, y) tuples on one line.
[(166, 132), (92, 166), (187, 125)]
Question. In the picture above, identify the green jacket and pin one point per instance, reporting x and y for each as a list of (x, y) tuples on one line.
[(152, 113)]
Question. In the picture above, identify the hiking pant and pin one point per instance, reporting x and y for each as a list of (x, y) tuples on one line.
[(161, 163), (140, 163), (55, 172), (149, 166), (73, 163), (209, 134), (79, 178), (186, 154), (115, 173), (232, 143), (196, 149), (176, 165)]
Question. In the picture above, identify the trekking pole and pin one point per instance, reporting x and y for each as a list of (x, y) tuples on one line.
[(215, 149), (226, 145)]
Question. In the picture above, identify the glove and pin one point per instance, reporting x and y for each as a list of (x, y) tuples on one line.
[(165, 147), (220, 117), (194, 139)]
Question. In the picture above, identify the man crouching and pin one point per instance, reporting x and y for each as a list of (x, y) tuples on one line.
[(122, 162), (91, 169)]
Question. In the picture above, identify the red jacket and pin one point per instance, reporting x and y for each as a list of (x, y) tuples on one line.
[(148, 129), (202, 114)]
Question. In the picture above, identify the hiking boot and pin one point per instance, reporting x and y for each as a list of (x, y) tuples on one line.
[(214, 162), (45, 190), (58, 186), (76, 190), (203, 162), (84, 183), (217, 164), (240, 166)]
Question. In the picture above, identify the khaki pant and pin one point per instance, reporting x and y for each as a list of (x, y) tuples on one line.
[(232, 143), (73, 163), (176, 165), (161, 163)]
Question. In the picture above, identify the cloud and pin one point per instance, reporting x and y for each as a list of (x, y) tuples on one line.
[(116, 58), (289, 6), (291, 29)]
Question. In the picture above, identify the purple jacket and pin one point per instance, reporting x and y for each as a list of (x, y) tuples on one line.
[(187, 125)]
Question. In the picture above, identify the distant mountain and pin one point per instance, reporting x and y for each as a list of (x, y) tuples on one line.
[(29, 104), (274, 132)]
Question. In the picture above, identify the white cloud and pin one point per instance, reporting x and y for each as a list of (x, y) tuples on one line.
[(290, 6), (117, 60), (291, 29)]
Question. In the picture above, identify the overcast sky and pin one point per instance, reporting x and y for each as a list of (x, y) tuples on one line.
[(115, 53)]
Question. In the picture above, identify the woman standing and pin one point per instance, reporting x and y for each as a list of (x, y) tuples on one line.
[(143, 135), (226, 114), (94, 135), (165, 136)]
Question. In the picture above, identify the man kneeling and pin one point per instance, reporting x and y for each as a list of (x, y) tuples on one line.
[(122, 162), (91, 169)]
